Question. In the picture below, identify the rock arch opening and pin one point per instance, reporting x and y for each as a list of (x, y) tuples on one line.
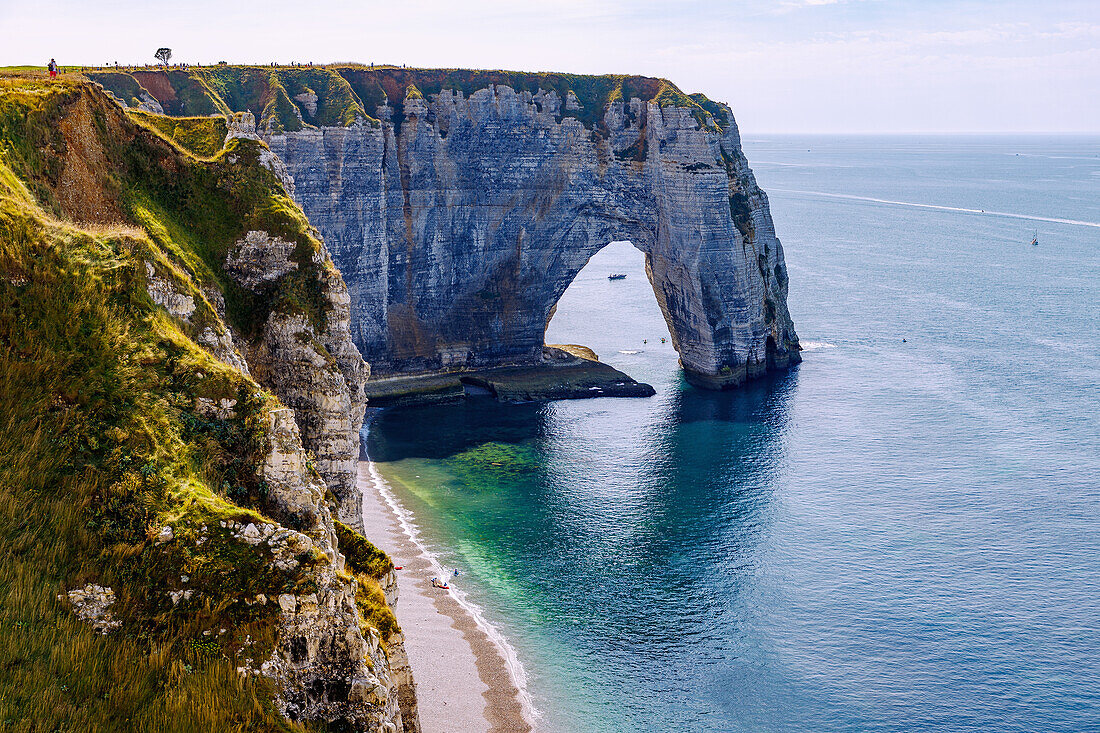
[(458, 205), (617, 319)]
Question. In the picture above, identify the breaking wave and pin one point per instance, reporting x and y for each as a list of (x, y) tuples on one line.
[(816, 345)]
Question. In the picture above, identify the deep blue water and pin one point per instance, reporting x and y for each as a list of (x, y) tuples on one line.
[(895, 536)]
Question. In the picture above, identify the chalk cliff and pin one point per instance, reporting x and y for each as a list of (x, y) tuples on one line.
[(469, 201)]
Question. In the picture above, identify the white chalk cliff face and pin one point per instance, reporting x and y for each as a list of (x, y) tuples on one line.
[(459, 221)]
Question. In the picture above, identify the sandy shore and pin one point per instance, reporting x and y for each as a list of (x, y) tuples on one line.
[(463, 683)]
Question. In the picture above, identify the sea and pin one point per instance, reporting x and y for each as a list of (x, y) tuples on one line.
[(900, 534)]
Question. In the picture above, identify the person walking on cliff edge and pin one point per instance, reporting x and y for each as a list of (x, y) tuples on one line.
[(52, 68)]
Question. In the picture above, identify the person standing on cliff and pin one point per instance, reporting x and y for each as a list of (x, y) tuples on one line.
[(52, 68)]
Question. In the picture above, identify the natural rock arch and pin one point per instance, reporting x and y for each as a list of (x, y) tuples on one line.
[(455, 202), (474, 214)]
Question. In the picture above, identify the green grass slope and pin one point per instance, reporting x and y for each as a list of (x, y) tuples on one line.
[(203, 137), (102, 439)]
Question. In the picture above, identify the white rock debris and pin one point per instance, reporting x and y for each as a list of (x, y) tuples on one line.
[(164, 293), (90, 604), (180, 595)]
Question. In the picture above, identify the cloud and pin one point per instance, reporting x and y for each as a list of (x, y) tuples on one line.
[(788, 6)]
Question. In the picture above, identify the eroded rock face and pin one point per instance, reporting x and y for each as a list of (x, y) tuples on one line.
[(325, 667), (181, 299), (319, 374), (260, 258), (470, 216), (164, 294)]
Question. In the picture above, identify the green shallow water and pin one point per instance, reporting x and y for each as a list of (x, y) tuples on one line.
[(894, 536)]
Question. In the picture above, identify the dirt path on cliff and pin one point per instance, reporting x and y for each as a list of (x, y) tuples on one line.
[(462, 680)]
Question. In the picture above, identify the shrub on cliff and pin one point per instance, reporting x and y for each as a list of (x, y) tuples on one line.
[(361, 553), (368, 565)]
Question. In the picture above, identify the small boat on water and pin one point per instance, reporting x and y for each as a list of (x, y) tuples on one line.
[(1035, 238), (616, 276)]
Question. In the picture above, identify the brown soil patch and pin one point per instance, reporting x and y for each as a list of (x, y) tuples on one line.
[(81, 190), (157, 84)]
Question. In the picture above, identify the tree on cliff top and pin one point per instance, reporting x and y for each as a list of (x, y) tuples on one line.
[(162, 55)]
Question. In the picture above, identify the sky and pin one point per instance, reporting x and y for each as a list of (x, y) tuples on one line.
[(802, 66)]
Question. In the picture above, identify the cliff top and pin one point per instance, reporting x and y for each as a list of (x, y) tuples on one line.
[(295, 97)]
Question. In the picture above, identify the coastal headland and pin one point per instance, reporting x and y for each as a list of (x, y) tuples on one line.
[(459, 205), (194, 264)]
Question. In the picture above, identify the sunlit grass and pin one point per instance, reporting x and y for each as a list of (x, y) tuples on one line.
[(101, 442)]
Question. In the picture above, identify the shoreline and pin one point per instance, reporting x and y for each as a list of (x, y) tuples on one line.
[(453, 650)]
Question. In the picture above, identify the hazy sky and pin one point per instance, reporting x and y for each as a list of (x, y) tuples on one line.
[(784, 66)]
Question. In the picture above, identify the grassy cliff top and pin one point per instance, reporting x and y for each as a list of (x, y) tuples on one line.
[(104, 439), (293, 98)]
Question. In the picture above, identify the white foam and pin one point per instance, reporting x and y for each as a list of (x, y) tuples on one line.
[(629, 351), (981, 212), (507, 652), (815, 345)]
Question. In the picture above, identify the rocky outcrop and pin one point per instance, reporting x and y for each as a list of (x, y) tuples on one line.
[(203, 312), (260, 258), (473, 214), (317, 372), (92, 604), (326, 666)]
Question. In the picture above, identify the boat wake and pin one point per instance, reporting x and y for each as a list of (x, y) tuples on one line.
[(511, 660), (983, 212)]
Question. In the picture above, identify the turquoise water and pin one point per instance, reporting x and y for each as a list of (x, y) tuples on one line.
[(895, 536)]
